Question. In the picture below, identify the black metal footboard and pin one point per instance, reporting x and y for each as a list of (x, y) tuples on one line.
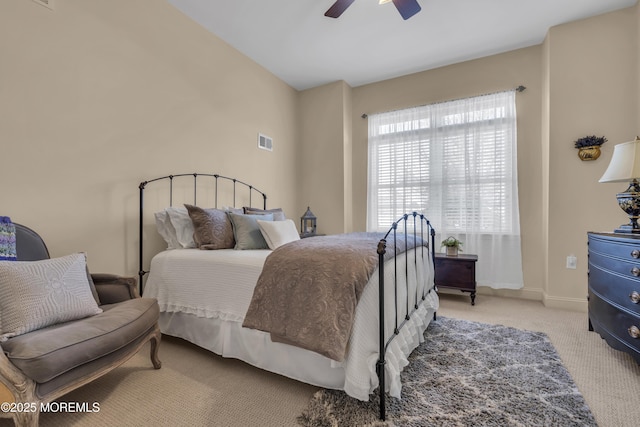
[(420, 228)]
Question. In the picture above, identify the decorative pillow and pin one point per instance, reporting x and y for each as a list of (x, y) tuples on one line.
[(212, 228), (234, 210), (247, 232), (278, 214), (37, 294), (277, 233), (7, 239)]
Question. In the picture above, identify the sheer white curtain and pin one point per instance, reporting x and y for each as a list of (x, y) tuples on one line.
[(456, 162)]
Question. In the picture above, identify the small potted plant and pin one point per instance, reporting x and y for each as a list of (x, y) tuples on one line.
[(589, 146), (453, 246)]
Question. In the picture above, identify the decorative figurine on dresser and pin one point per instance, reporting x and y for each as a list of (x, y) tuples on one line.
[(614, 261)]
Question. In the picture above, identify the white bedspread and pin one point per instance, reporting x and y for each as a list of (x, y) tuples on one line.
[(211, 284), (203, 296)]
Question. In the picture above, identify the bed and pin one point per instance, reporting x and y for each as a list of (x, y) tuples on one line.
[(222, 299)]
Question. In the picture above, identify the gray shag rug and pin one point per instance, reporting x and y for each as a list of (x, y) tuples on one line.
[(468, 374)]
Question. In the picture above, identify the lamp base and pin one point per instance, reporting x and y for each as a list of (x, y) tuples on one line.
[(627, 229), (629, 201)]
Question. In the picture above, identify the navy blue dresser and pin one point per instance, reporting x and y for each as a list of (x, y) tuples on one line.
[(614, 290)]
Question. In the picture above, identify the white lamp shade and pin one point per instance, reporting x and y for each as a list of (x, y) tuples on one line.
[(625, 163)]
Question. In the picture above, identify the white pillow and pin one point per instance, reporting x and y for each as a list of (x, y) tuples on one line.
[(37, 294), (175, 227), (166, 229), (183, 225), (277, 233)]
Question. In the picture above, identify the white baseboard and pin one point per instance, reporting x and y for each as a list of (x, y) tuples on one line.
[(525, 293), (572, 304), (537, 294)]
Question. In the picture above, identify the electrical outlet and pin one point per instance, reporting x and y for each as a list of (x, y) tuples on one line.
[(572, 261)]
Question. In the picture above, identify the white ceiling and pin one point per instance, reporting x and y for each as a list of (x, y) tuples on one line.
[(371, 42)]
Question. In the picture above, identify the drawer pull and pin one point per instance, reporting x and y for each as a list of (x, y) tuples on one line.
[(634, 331), (635, 271), (635, 253), (635, 297)]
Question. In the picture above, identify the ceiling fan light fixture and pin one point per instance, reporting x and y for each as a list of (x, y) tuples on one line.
[(407, 8)]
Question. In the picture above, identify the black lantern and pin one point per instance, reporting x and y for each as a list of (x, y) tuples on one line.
[(308, 224)]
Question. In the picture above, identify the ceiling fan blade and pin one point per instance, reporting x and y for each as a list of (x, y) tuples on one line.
[(407, 8), (338, 7)]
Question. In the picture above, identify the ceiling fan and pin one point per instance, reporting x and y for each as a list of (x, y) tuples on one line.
[(407, 8)]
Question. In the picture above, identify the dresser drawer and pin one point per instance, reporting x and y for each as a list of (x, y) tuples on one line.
[(614, 288), (615, 248), (625, 268), (614, 324)]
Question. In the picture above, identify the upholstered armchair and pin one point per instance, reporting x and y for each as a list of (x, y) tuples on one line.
[(40, 364)]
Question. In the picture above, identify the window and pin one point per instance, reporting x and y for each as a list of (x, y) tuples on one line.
[(456, 162)]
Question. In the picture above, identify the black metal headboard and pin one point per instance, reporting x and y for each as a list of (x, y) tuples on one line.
[(209, 182)]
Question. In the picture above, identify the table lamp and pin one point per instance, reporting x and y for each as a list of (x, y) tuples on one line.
[(625, 166)]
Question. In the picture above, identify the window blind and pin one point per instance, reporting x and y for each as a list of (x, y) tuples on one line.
[(455, 161)]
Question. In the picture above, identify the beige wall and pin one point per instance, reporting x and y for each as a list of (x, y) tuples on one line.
[(97, 96), (592, 78), (324, 146), (582, 80)]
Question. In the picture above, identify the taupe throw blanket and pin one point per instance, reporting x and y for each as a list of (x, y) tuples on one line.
[(308, 290)]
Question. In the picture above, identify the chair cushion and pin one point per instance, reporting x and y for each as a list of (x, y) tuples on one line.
[(47, 353)]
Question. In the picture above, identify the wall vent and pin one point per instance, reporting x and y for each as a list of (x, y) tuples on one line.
[(265, 142), (46, 3)]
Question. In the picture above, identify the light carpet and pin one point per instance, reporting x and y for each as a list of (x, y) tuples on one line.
[(469, 373)]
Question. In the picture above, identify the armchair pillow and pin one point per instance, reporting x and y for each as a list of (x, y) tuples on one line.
[(37, 294)]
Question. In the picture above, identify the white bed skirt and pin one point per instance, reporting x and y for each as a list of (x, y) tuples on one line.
[(356, 375), (230, 339)]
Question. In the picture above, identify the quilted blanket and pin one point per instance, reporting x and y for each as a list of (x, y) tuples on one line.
[(7, 239), (308, 290)]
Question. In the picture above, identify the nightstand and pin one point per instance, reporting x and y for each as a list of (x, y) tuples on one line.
[(457, 272)]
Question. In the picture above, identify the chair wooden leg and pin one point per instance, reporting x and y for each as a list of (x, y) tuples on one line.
[(155, 344), (27, 419)]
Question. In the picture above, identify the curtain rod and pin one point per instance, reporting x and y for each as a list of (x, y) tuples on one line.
[(517, 89)]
